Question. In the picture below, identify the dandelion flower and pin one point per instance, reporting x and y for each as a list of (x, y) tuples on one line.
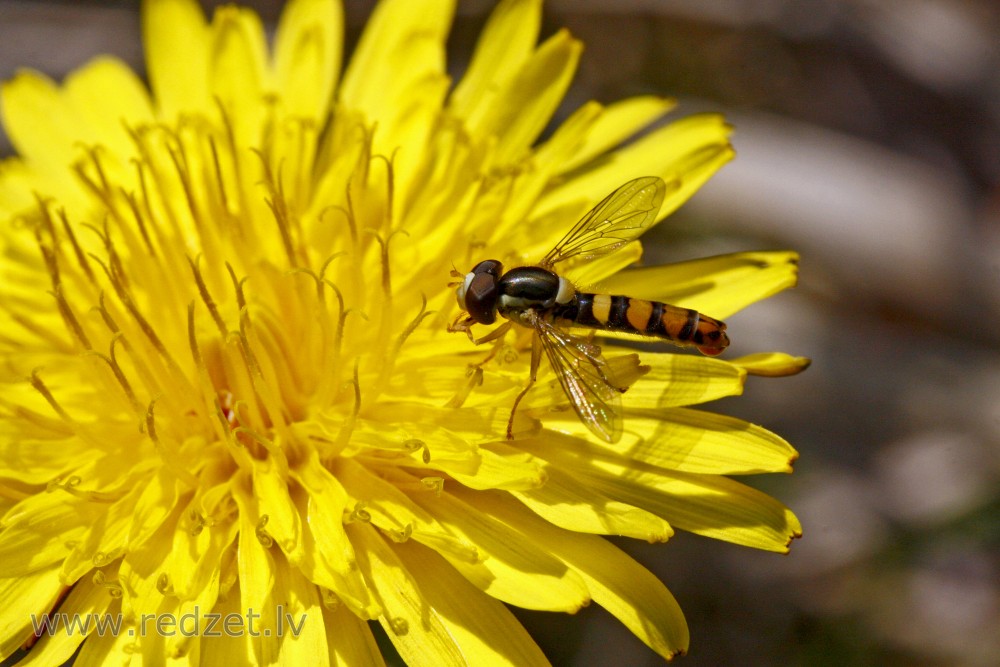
[(229, 388)]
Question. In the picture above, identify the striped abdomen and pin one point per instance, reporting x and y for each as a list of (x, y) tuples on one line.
[(645, 318)]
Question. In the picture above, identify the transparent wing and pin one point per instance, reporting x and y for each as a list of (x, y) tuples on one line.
[(586, 378), (620, 217)]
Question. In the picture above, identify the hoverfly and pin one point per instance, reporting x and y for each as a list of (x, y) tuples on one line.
[(540, 299)]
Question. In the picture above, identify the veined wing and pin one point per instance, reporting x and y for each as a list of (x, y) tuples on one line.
[(619, 218), (586, 379)]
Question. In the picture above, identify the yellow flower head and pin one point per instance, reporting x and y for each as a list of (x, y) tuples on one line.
[(229, 386)]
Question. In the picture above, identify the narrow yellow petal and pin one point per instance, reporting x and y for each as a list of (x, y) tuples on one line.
[(152, 507), (330, 554), (630, 592), (684, 153), (567, 503), (525, 105), (771, 364), (414, 628), (501, 467), (16, 188), (683, 379), (193, 562), (294, 617), (179, 76), (515, 571), (23, 596), (388, 508), (505, 44), (349, 639), (717, 286), (307, 53), (483, 629), (109, 98), (104, 540), (109, 648), (254, 563), (402, 45), (283, 521), (681, 439), (237, 70), (709, 505), (84, 601), (227, 647), (36, 532), (618, 122), (41, 126)]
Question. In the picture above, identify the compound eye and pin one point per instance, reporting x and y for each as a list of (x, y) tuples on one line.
[(492, 267), (481, 296)]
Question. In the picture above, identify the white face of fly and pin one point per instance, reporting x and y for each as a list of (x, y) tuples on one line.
[(462, 288)]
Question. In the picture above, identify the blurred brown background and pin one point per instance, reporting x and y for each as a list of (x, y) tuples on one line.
[(868, 138)]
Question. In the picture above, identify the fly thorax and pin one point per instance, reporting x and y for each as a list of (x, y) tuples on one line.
[(531, 287)]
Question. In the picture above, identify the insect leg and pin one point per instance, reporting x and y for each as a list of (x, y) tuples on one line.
[(536, 358)]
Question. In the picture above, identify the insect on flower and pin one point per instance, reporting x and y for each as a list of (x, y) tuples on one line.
[(540, 299)]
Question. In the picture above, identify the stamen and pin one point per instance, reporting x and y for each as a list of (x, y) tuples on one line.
[(279, 207), (389, 361), (40, 387), (207, 298), (119, 374), (344, 436), (69, 318), (263, 536), (171, 459), (81, 256), (474, 378), (140, 222)]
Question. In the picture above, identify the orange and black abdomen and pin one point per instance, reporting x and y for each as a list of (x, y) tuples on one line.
[(646, 318)]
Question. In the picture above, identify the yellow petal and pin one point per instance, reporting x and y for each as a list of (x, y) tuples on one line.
[(387, 507), (254, 562), (330, 554), (567, 503), (153, 507), (23, 596), (109, 98), (104, 539), (684, 153), (307, 55), (772, 364), (680, 439), (709, 505), (618, 122), (85, 601), (179, 76), (717, 286), (349, 639), (237, 67), (401, 49), (683, 379), (630, 592), (42, 127), (108, 649), (228, 648), (526, 103), (515, 571), (16, 188), (294, 616), (193, 563), (504, 45), (483, 629), (36, 532), (414, 628), (283, 522)]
